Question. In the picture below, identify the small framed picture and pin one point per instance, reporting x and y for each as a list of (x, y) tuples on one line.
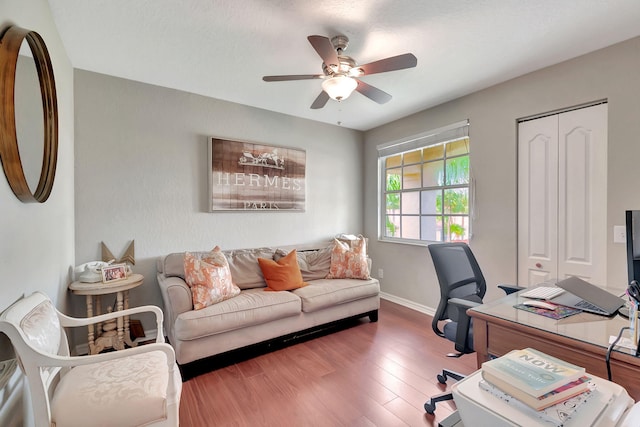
[(114, 273)]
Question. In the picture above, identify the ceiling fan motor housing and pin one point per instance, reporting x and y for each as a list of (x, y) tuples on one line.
[(347, 67)]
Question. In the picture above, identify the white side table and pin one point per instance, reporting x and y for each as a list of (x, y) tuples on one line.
[(101, 339)]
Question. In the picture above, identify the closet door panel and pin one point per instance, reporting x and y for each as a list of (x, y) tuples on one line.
[(537, 200), (582, 194)]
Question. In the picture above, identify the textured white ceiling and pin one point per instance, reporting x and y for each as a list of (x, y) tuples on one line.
[(222, 48)]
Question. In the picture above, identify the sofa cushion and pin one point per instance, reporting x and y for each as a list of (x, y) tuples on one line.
[(324, 293), (349, 262), (282, 275), (244, 266), (126, 391), (251, 307), (209, 278), (313, 264)]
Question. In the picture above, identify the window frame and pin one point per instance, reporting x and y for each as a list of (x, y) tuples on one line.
[(440, 136)]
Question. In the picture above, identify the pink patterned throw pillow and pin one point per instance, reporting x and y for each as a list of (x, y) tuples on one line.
[(349, 262), (209, 278)]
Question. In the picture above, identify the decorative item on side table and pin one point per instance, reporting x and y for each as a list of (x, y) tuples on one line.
[(114, 273)]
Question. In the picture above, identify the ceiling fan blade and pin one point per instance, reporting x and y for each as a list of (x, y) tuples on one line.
[(320, 101), (325, 49), (373, 93), (292, 77), (400, 62)]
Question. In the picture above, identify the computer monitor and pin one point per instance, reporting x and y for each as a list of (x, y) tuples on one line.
[(633, 245)]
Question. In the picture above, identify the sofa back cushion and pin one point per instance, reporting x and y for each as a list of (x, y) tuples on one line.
[(314, 264), (243, 264)]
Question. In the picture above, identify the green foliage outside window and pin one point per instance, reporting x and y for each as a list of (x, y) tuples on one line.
[(456, 201), (393, 201)]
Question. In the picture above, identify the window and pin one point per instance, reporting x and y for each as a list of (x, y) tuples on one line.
[(425, 187)]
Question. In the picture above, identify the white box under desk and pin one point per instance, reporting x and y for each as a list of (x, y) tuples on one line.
[(605, 408)]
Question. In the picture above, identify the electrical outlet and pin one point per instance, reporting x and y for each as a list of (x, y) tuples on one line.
[(619, 234), (380, 273)]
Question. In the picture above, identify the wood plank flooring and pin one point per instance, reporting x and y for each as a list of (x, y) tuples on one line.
[(370, 374)]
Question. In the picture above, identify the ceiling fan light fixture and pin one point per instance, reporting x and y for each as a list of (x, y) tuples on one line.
[(339, 87)]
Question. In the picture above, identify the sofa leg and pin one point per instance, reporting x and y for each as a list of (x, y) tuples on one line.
[(373, 316)]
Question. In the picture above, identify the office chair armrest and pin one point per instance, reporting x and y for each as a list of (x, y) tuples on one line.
[(510, 289), (463, 303), (462, 343)]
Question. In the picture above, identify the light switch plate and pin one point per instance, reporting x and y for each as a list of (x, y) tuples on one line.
[(619, 234)]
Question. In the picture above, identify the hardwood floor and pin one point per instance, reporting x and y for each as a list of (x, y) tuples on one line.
[(371, 374)]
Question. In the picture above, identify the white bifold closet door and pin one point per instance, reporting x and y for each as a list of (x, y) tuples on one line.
[(562, 197)]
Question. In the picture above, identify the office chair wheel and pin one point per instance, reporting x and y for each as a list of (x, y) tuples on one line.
[(442, 379), (429, 408)]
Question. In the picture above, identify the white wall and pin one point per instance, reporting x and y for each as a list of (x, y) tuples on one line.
[(610, 74), (141, 174), (37, 240)]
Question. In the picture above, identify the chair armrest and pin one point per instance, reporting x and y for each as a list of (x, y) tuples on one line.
[(45, 359), (73, 322), (462, 343), (510, 289), (463, 303)]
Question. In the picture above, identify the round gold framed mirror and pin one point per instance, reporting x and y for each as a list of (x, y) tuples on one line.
[(10, 47)]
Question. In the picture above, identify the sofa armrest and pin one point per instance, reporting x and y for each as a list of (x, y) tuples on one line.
[(177, 299)]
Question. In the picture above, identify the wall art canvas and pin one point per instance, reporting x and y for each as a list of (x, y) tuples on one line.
[(247, 176)]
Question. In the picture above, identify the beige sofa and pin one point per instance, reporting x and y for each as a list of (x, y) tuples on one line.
[(256, 316)]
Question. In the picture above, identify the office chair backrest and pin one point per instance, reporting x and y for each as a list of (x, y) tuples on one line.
[(459, 276)]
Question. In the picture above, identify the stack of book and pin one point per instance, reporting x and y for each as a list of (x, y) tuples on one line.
[(538, 381)]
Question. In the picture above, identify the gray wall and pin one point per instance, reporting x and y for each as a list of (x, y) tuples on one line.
[(141, 174), (37, 240), (610, 74)]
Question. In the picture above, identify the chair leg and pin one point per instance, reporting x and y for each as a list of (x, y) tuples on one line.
[(430, 406), (442, 378)]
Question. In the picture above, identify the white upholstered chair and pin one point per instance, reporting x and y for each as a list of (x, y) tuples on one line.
[(132, 387)]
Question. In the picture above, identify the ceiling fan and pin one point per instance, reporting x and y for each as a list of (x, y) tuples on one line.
[(340, 72)]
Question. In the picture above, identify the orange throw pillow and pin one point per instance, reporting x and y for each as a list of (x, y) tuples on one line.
[(209, 278), (349, 262), (282, 275)]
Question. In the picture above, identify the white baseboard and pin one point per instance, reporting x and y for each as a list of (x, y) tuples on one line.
[(149, 335), (408, 303)]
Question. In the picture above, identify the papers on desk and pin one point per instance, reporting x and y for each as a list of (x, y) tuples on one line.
[(623, 342)]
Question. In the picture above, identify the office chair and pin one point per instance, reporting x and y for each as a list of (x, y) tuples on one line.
[(462, 286)]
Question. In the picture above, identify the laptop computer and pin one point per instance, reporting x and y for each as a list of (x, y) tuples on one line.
[(587, 297)]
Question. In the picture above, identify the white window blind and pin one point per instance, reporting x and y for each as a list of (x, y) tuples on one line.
[(436, 136)]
